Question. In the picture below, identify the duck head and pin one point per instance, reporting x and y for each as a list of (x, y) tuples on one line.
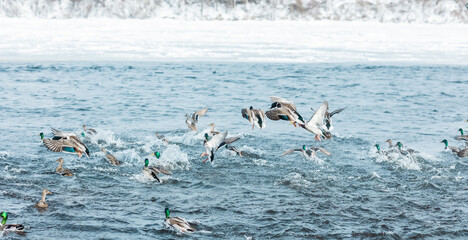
[(446, 143), (156, 154), (461, 131), (4, 217), (378, 147), (167, 212), (399, 145), (42, 135), (146, 162), (304, 147)]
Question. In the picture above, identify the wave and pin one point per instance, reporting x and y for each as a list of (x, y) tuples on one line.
[(421, 11)]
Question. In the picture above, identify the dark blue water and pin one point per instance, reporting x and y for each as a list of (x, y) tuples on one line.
[(355, 193)]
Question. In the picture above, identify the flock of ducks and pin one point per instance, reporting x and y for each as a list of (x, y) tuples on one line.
[(319, 124)]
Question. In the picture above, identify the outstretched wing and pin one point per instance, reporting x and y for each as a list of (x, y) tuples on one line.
[(276, 114), (289, 151), (58, 145), (61, 134), (285, 102), (216, 140), (317, 118), (198, 114), (323, 151), (336, 111)]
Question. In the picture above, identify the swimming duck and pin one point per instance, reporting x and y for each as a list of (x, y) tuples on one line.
[(256, 117), (90, 131), (112, 159), (316, 121), (162, 138), (192, 120), (10, 227), (177, 223), (462, 136), (152, 171), (63, 171), (234, 149), (461, 153), (307, 153), (284, 109), (42, 203), (214, 143), (65, 142)]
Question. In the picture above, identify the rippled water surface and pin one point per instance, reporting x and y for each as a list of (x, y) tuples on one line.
[(355, 193)]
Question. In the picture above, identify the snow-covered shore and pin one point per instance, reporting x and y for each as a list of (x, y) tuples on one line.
[(254, 41)]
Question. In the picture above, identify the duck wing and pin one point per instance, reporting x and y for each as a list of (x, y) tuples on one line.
[(229, 140), (181, 224), (60, 134), (317, 118), (277, 114), (59, 145), (289, 151), (159, 170), (322, 150), (216, 141), (198, 114), (260, 118), (336, 111)]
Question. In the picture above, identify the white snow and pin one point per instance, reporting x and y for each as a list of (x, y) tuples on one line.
[(103, 39)]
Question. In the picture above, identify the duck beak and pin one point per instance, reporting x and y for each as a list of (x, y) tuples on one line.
[(203, 154)]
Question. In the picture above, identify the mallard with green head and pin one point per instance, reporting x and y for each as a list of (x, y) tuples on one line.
[(61, 170), (307, 153), (461, 153), (42, 204), (153, 171), (213, 144), (462, 136), (178, 223), (10, 227), (65, 142), (284, 109)]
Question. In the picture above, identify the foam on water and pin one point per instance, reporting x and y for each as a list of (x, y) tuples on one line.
[(351, 194)]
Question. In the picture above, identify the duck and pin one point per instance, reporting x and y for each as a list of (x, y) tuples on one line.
[(178, 223), (63, 171), (214, 143), (162, 138), (65, 142), (316, 121), (307, 153), (10, 227), (390, 144), (112, 159), (42, 204), (256, 117), (462, 136), (328, 119), (460, 153), (212, 130), (152, 171), (234, 149), (284, 109), (90, 131), (191, 121)]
